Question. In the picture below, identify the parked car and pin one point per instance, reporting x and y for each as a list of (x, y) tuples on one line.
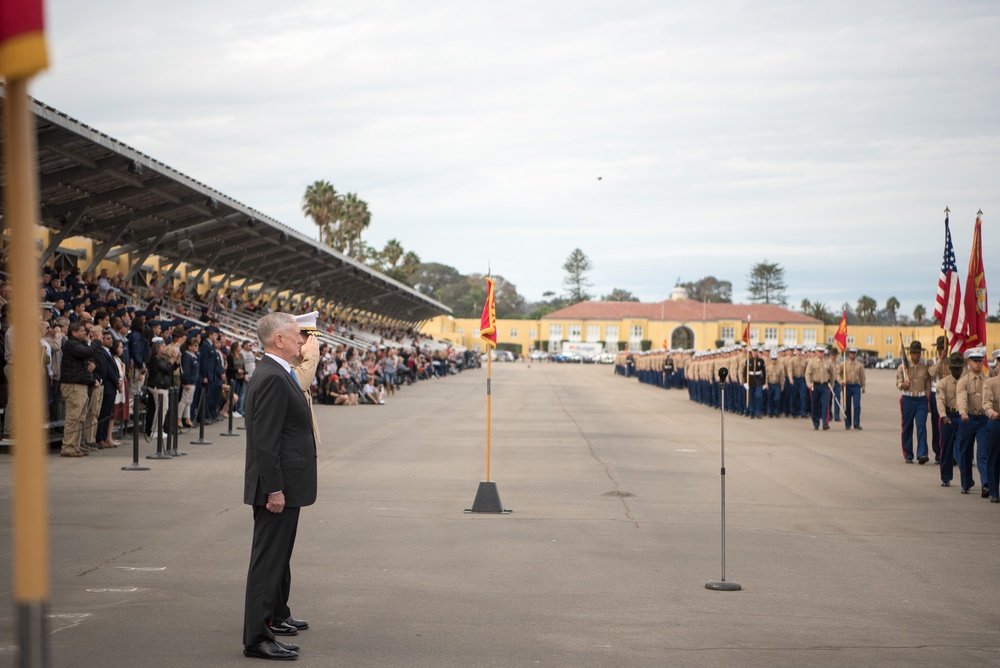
[(607, 358), (538, 355), (890, 363), (568, 357), (871, 362)]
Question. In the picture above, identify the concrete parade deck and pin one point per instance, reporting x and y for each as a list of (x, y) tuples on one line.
[(847, 556)]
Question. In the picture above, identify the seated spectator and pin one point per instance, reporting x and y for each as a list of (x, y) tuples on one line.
[(372, 394), (338, 395)]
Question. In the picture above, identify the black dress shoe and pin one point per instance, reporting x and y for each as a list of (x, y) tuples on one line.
[(300, 624), (945, 483), (985, 493), (858, 427), (922, 460), (290, 646), (826, 427), (283, 629), (268, 649)]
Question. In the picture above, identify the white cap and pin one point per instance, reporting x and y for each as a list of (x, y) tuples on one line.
[(307, 321), (774, 355), (996, 354), (972, 353)]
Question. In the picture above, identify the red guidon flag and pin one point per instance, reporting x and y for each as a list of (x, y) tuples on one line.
[(488, 323), (841, 336), (975, 293), (746, 332), (22, 39)]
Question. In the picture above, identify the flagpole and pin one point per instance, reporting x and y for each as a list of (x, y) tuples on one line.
[(30, 505), (489, 380)]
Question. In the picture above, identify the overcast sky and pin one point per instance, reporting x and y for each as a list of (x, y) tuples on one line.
[(827, 137)]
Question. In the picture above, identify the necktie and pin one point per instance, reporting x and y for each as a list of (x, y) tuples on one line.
[(295, 378)]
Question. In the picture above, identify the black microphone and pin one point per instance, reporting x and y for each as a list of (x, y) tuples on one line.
[(723, 372)]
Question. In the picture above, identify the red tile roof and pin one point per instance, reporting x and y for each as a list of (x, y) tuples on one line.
[(681, 309)]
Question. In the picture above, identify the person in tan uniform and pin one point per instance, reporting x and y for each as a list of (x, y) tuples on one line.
[(852, 374), (939, 369), (991, 406), (306, 370), (819, 378), (913, 379), (775, 376), (970, 405), (951, 419), (799, 403)]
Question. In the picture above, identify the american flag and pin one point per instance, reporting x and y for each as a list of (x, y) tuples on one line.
[(949, 310)]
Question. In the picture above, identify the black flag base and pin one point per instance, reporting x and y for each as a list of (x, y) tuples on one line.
[(723, 585), (487, 500)]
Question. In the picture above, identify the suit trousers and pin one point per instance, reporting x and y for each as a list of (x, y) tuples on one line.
[(269, 578)]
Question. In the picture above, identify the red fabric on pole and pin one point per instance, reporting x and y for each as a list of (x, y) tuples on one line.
[(22, 38), (841, 336), (975, 294), (488, 322)]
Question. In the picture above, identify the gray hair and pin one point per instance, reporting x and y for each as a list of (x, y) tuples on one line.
[(271, 324)]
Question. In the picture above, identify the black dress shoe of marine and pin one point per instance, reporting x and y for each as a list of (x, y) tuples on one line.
[(922, 460), (283, 629), (985, 493), (300, 624), (290, 646), (268, 649)]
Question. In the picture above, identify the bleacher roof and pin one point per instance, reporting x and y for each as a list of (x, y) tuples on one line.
[(94, 186)]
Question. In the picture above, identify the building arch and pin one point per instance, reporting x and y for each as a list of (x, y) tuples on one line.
[(682, 338)]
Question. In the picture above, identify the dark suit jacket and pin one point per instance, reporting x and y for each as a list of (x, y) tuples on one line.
[(281, 451)]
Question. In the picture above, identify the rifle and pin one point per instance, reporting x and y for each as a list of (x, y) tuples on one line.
[(906, 361)]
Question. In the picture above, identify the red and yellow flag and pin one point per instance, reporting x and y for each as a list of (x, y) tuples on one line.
[(22, 39), (841, 336), (746, 332), (488, 323), (975, 293)]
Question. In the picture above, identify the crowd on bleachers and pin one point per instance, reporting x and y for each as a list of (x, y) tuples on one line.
[(119, 340)]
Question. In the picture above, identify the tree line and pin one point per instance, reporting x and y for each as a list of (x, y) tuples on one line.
[(342, 218)]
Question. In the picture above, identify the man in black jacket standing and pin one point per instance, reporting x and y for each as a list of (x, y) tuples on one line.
[(110, 382), (280, 478), (76, 375)]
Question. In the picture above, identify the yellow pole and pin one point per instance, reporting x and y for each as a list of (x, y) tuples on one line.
[(489, 377), (30, 509)]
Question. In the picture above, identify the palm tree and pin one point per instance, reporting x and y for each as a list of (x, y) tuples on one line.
[(806, 306), (892, 305), (392, 253), (411, 262), (322, 204), (919, 313), (353, 221), (820, 311), (866, 307)]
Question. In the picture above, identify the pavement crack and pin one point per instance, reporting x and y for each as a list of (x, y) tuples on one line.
[(108, 561), (608, 469)]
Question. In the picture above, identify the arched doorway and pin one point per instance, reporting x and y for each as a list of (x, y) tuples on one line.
[(682, 337)]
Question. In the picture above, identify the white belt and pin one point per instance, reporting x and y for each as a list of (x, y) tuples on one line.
[(913, 394)]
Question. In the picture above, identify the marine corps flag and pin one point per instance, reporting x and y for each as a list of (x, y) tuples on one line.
[(746, 332), (841, 336), (488, 323), (22, 40), (975, 292)]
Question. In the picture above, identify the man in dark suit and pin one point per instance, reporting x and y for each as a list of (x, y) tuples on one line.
[(280, 479), (110, 382)]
